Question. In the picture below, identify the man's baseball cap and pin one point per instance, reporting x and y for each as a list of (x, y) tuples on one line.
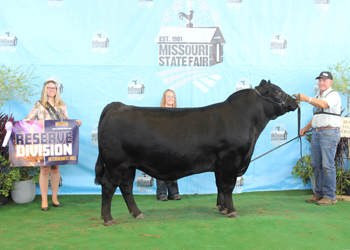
[(325, 75)]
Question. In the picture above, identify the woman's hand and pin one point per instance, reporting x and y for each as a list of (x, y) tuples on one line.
[(79, 122)]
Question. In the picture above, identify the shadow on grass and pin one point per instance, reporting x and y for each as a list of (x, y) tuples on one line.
[(203, 207)]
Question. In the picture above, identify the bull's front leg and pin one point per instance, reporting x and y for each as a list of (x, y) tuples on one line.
[(229, 178), (231, 211), (107, 195)]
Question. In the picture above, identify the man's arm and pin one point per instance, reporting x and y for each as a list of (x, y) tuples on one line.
[(313, 101)]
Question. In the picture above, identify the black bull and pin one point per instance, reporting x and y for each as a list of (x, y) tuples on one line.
[(169, 144)]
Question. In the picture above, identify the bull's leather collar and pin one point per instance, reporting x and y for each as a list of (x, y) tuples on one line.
[(281, 104)]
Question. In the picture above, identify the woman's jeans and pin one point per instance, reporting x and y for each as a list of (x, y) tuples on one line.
[(162, 189), (323, 149)]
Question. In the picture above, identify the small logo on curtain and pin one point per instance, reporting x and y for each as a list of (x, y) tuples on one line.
[(136, 89), (243, 83), (57, 3), (190, 41), (94, 135), (60, 184), (234, 3), (143, 3), (59, 83), (100, 42), (316, 88), (278, 134), (8, 41), (239, 183), (278, 44), (322, 4), (144, 182)]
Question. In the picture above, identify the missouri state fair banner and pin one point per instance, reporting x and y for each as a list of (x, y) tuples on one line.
[(131, 51), (44, 143)]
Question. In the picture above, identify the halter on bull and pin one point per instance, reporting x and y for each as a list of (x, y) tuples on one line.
[(169, 144)]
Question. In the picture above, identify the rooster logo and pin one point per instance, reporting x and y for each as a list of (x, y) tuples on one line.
[(188, 17)]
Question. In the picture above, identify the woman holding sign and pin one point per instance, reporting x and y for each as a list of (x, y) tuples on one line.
[(49, 107)]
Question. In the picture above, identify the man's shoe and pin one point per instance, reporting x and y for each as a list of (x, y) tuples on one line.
[(314, 199), (326, 201), (177, 198), (163, 199)]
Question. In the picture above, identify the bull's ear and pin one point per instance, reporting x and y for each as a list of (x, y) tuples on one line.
[(263, 83)]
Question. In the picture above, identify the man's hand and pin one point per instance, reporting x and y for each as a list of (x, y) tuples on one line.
[(303, 131), (303, 98)]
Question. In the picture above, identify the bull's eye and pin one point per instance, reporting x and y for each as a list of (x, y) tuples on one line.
[(278, 93)]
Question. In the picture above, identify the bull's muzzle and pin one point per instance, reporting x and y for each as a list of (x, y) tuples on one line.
[(292, 103)]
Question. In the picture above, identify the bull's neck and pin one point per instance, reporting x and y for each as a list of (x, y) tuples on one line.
[(255, 109)]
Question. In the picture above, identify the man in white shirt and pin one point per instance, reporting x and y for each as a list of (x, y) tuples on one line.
[(325, 126)]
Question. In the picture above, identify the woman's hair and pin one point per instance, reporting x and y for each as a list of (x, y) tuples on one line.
[(43, 99), (162, 103)]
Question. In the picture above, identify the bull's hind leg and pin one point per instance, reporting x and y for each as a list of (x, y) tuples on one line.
[(220, 201), (107, 195), (126, 189)]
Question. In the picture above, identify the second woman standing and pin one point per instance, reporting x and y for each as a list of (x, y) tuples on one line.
[(168, 101)]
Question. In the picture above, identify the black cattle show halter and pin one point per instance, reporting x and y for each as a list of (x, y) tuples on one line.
[(282, 105)]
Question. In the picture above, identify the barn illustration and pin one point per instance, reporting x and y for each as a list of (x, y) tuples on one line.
[(278, 43), (144, 180), (100, 42), (94, 135), (278, 135), (243, 85), (136, 88), (8, 40), (321, 1), (204, 43)]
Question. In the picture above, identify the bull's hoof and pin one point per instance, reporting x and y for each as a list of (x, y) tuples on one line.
[(140, 216), (233, 215), (110, 223), (224, 212)]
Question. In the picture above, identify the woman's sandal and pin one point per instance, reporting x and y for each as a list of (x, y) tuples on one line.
[(57, 205), (45, 208)]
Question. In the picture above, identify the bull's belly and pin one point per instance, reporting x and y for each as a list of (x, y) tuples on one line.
[(175, 172)]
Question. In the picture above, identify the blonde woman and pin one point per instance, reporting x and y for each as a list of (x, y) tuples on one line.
[(49, 107), (168, 101)]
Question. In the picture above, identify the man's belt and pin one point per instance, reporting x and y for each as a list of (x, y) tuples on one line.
[(322, 128)]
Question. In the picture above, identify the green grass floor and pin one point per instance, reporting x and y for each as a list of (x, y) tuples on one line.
[(269, 220)]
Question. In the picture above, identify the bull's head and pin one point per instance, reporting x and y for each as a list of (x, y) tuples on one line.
[(276, 95)]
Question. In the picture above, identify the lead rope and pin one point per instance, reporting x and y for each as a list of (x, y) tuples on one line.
[(301, 144)]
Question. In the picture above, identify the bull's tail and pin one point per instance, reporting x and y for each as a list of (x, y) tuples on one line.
[(100, 167), (99, 171), (105, 111)]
